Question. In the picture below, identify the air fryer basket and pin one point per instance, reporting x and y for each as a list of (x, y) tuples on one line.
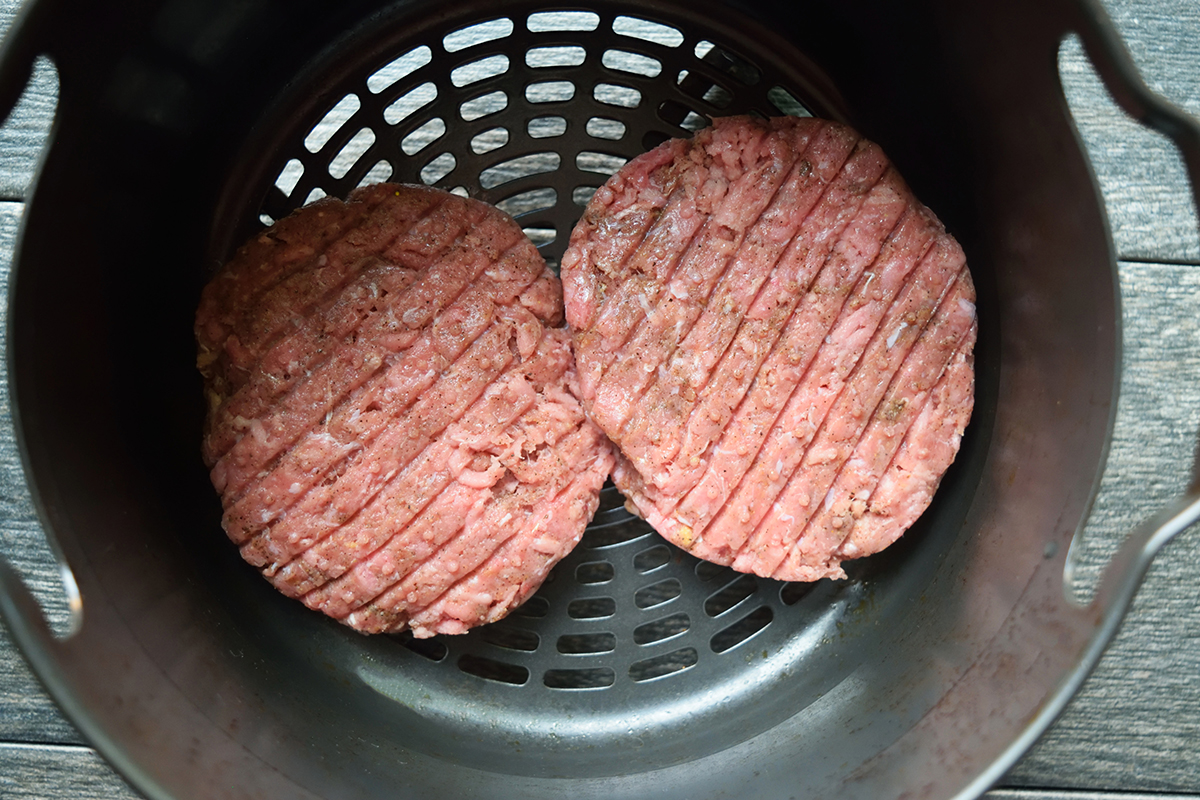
[(186, 125)]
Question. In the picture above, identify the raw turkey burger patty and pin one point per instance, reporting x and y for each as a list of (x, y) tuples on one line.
[(392, 425), (778, 337)]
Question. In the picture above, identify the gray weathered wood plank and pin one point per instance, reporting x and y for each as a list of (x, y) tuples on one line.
[(33, 772), (23, 135), (26, 713)]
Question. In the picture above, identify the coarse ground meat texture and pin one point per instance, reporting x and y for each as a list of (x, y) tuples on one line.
[(778, 338), (393, 425)]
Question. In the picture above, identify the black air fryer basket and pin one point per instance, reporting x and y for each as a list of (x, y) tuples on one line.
[(185, 126)]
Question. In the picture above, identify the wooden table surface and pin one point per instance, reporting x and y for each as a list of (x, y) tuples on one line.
[(1134, 729)]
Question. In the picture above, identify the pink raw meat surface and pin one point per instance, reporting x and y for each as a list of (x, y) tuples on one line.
[(777, 336), (393, 425)]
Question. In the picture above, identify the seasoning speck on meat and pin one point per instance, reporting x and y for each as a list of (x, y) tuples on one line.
[(393, 425), (778, 338)]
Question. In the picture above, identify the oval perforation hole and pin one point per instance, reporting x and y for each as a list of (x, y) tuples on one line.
[(409, 103), (787, 103), (331, 123), (489, 140), (547, 21), (730, 595), (351, 152), (266, 219), (707, 570), (580, 195), (540, 236), (399, 68), (438, 168), (534, 608), (522, 167), (423, 136), (661, 629), (666, 664), (652, 559), (648, 31), (316, 194), (704, 89), (616, 531), (482, 106), (493, 670), (657, 593), (585, 643), (595, 572), (526, 202), (681, 116), (480, 70), (477, 34), (792, 593), (633, 63), (564, 56), (614, 94), (289, 176), (740, 631), (732, 65), (510, 638), (377, 174), (603, 163), (550, 91), (603, 128), (591, 608), (432, 649), (546, 127), (592, 678)]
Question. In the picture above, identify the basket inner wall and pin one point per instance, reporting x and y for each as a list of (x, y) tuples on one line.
[(631, 640)]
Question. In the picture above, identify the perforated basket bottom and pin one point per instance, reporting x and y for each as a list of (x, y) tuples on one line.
[(631, 640)]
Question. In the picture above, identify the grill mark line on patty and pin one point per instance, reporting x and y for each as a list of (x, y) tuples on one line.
[(547, 546), (537, 534), (296, 297), (668, 402), (619, 234), (870, 308), (232, 337), (839, 205), (813, 554), (393, 389), (315, 454), (788, 366), (955, 389), (396, 454), (685, 461), (303, 338), (815, 480), (404, 547), (653, 343), (657, 254), (620, 318), (233, 292), (426, 474), (836, 351), (318, 395), (312, 385), (480, 541)]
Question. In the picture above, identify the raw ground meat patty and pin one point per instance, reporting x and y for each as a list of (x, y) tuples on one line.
[(392, 422), (778, 337)]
